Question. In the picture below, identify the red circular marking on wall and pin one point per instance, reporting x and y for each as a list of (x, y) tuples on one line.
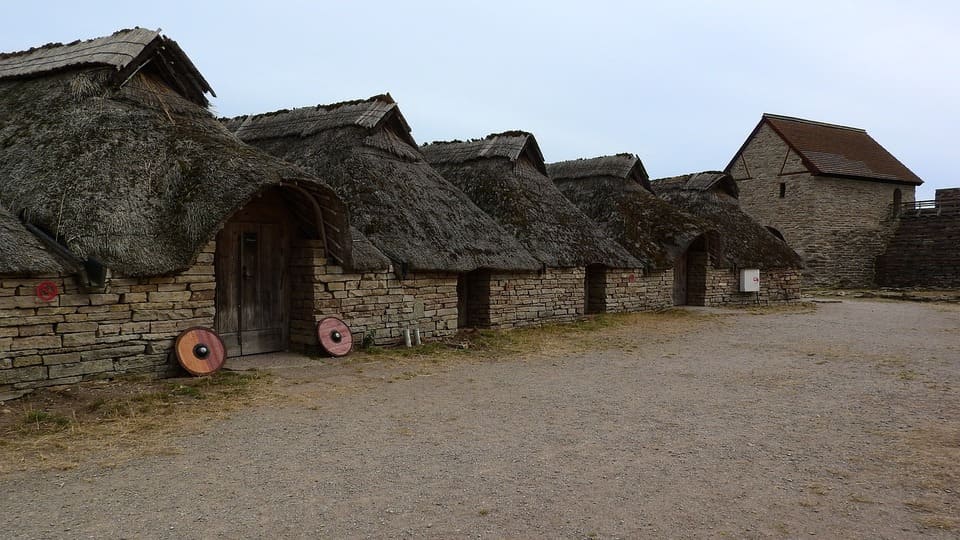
[(632, 278), (47, 291)]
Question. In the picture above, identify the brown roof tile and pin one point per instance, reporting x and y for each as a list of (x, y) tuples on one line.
[(834, 150)]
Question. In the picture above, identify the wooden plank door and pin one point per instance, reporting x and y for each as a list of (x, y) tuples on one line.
[(680, 280), (251, 289)]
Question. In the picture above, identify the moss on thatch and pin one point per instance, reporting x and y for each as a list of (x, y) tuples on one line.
[(712, 196), (138, 178), (505, 175), (364, 150), (610, 190)]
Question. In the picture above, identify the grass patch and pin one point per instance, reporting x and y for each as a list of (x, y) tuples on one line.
[(59, 427)]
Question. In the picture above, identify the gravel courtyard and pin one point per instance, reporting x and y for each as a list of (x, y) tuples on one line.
[(838, 420)]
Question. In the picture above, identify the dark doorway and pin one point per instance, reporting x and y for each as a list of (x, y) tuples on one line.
[(252, 290), (690, 275), (473, 299), (897, 201), (595, 289)]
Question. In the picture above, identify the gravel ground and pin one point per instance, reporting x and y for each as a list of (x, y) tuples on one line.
[(840, 421)]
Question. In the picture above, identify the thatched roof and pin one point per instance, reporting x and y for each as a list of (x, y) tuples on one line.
[(23, 253), (365, 151), (136, 176), (505, 175), (125, 52), (834, 150), (743, 243), (614, 192)]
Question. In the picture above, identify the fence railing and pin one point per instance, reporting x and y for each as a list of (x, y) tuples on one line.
[(930, 208)]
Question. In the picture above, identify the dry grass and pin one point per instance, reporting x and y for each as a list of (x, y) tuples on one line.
[(58, 428)]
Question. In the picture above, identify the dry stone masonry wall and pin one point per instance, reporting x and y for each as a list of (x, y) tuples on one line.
[(377, 306), (632, 290), (129, 327)]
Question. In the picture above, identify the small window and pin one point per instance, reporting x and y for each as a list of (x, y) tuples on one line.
[(783, 189)]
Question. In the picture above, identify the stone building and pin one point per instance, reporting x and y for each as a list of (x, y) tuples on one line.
[(505, 175), (128, 214), (614, 191), (735, 249), (432, 232), (831, 191)]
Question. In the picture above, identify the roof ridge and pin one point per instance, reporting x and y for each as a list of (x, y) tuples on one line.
[(57, 44), (811, 122)]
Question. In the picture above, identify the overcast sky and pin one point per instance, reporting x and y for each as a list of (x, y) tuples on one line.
[(681, 84)]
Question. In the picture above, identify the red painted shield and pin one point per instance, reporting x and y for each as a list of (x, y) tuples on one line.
[(335, 337), (200, 351)]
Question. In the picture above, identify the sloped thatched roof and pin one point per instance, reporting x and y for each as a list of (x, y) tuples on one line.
[(614, 192), (23, 253), (364, 149), (744, 243), (834, 150), (505, 175), (136, 176)]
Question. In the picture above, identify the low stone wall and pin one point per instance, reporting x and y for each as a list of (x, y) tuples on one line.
[(128, 328), (528, 299), (776, 285), (376, 306), (632, 290)]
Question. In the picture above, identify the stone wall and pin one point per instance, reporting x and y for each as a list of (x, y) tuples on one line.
[(924, 252), (776, 286), (526, 299), (377, 306), (632, 290), (839, 226), (129, 327)]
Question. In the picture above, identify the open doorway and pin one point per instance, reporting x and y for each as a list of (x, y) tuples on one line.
[(595, 289), (690, 275), (473, 299)]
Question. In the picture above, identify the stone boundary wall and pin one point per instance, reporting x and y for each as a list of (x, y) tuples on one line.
[(528, 299), (776, 286), (924, 252), (838, 226), (130, 327), (632, 290), (377, 306)]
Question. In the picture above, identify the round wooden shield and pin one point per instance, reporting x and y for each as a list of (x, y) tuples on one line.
[(200, 351), (335, 337)]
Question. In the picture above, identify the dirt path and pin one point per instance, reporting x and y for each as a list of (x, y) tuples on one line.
[(838, 422)]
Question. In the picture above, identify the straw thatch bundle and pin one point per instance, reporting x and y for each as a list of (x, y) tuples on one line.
[(506, 176), (365, 151), (614, 191), (713, 197)]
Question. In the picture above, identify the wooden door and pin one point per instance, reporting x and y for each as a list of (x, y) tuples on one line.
[(680, 281), (251, 289)]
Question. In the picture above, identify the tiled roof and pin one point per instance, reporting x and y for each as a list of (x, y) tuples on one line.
[(834, 150)]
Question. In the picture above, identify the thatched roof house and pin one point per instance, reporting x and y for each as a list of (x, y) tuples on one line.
[(107, 145), (364, 149), (712, 197), (615, 192), (506, 176)]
